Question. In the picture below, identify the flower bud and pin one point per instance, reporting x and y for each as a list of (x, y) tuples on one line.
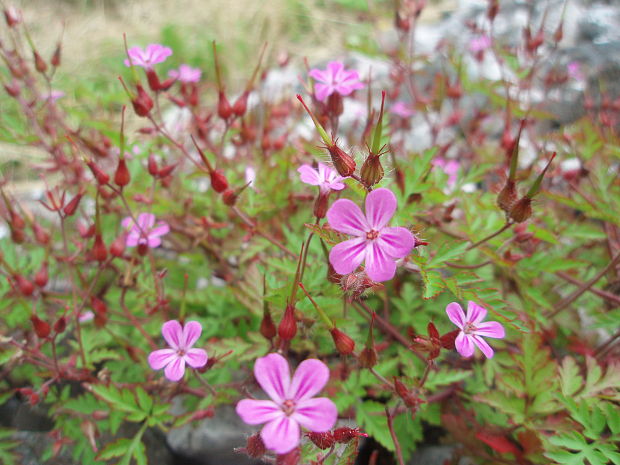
[(152, 165), (371, 171), (142, 249), (507, 196), (368, 357), (142, 102), (101, 177), (99, 250), (166, 171), (322, 440), (334, 104), (332, 276), (26, 288), (320, 205), (55, 61), (122, 176), (39, 63), (255, 447), (13, 16), (344, 163), (117, 248), (41, 328), (288, 325), (344, 344), (521, 210), (60, 325), (153, 80), (71, 207), (40, 234), (12, 89), (41, 277), (224, 110), (218, 181), (267, 326), (345, 434), (241, 104), (229, 197), (17, 235)]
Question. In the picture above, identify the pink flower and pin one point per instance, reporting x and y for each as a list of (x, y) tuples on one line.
[(292, 402), (146, 231), (450, 167), (472, 328), (374, 241), (153, 54), (181, 339), (326, 178), (401, 109), (335, 79), (186, 74), (479, 43), (574, 71)]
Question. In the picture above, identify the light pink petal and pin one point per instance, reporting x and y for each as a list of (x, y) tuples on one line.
[(483, 346), (153, 242), (346, 256), (256, 412), (160, 358), (145, 221), (173, 333), (322, 91), (396, 242), (132, 239), (191, 333), (456, 314), (127, 222), (196, 358), (308, 175), (161, 229), (334, 68), (336, 185), (379, 266), (281, 435), (380, 207), (310, 377), (464, 344), (345, 216), (475, 313), (272, 373), (318, 414), (175, 370), (319, 75), (490, 329)]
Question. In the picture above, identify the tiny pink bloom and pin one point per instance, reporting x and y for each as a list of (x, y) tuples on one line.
[(574, 71), (375, 242), (472, 328), (146, 231), (479, 43), (186, 74), (153, 54), (450, 167), (86, 316), (335, 79), (54, 95), (401, 109), (292, 402), (326, 178), (180, 339)]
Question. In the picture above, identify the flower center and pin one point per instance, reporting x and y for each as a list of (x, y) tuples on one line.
[(180, 352), (288, 407), (469, 328), (372, 235)]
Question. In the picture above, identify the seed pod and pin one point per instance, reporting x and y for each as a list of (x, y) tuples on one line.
[(267, 326), (99, 250), (60, 325), (218, 181), (142, 102), (288, 325), (255, 447), (39, 63), (41, 277), (71, 207), (122, 175), (26, 288), (152, 165), (322, 440), (344, 344), (224, 110), (507, 196), (521, 210), (371, 171), (241, 104), (41, 328), (344, 163)]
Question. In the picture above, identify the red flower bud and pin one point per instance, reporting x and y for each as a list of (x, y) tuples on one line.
[(41, 277), (288, 325), (255, 446), (117, 248), (101, 177), (507, 196), (55, 61), (142, 249), (224, 110), (41, 328), (40, 234), (371, 171), (17, 221), (122, 176), (267, 326), (241, 104), (218, 181), (344, 163), (60, 325), (71, 207), (99, 250), (345, 434), (153, 80), (142, 102), (152, 166), (521, 210), (26, 288), (229, 197), (98, 305), (368, 357), (344, 344), (320, 205), (335, 105), (322, 440), (12, 89), (39, 63), (17, 235), (12, 16), (165, 171)]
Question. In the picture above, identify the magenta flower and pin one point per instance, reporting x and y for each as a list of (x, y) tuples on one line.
[(146, 231), (472, 328), (181, 340), (292, 402), (326, 178), (186, 74), (335, 79), (153, 54), (402, 109), (450, 167), (374, 241), (479, 43), (574, 71)]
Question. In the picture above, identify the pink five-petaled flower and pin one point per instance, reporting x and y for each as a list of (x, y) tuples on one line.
[(326, 178), (335, 79), (450, 167), (181, 340), (472, 328), (375, 242), (186, 74), (146, 232), (153, 54), (292, 402), (479, 43)]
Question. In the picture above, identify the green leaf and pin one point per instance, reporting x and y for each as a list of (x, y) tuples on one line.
[(570, 440), (370, 416), (114, 449), (446, 252), (570, 379), (433, 283)]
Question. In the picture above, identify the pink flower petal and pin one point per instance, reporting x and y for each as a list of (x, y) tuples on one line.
[(396, 241), (379, 266), (464, 344), (132, 239), (160, 358), (334, 68), (456, 314), (127, 222), (256, 412), (196, 358), (153, 242), (318, 414), (483, 346), (490, 329), (161, 229), (380, 207), (173, 333), (281, 435), (322, 91), (348, 255), (145, 222), (475, 313), (176, 369), (191, 333), (272, 373), (310, 377), (309, 175), (345, 216), (318, 75)]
